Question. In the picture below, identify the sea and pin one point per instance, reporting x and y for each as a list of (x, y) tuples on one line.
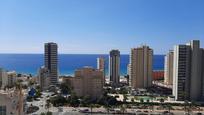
[(68, 63)]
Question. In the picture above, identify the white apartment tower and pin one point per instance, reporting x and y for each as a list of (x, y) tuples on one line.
[(168, 68), (51, 61), (188, 73), (141, 67), (114, 67)]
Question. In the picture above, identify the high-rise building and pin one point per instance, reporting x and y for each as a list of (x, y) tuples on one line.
[(43, 78), (141, 67), (51, 61), (187, 72), (202, 70), (101, 66), (114, 67), (168, 68), (86, 82), (128, 74), (3, 76)]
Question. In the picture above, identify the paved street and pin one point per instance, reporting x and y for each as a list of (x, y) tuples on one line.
[(75, 111)]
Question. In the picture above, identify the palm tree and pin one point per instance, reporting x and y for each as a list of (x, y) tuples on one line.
[(123, 108), (48, 104), (107, 108), (132, 100), (161, 102), (42, 113), (169, 107), (151, 106), (91, 106), (125, 98), (185, 105)]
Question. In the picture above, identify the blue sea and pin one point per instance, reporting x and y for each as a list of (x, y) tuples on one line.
[(68, 63)]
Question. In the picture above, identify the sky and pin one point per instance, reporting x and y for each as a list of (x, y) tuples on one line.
[(97, 26)]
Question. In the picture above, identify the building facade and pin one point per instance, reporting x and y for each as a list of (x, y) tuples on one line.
[(8, 78), (11, 78), (141, 67), (188, 73), (202, 70), (43, 78), (12, 102), (3, 78), (86, 82), (168, 68), (114, 67), (157, 75), (101, 66), (51, 61)]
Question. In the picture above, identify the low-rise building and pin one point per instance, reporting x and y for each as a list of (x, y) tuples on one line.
[(86, 82), (43, 78), (158, 75), (11, 78), (8, 79)]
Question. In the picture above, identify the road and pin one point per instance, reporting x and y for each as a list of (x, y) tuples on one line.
[(75, 111)]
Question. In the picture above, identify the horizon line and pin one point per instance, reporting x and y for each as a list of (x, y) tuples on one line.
[(75, 53)]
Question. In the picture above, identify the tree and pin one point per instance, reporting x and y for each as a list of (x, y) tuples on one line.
[(73, 99), (38, 93), (151, 106), (107, 107), (186, 103), (123, 90), (125, 98), (65, 88), (161, 102), (48, 105), (141, 100), (42, 113), (112, 100), (169, 107), (123, 108), (132, 100), (91, 106), (58, 100), (30, 83), (49, 113), (86, 100)]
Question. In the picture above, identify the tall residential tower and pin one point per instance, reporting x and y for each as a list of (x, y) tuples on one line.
[(188, 72), (101, 66), (114, 67), (51, 61), (168, 68), (141, 67)]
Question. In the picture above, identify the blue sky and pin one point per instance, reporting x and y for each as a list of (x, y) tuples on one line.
[(97, 26)]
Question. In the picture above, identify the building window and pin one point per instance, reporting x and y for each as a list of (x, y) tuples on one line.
[(2, 110)]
